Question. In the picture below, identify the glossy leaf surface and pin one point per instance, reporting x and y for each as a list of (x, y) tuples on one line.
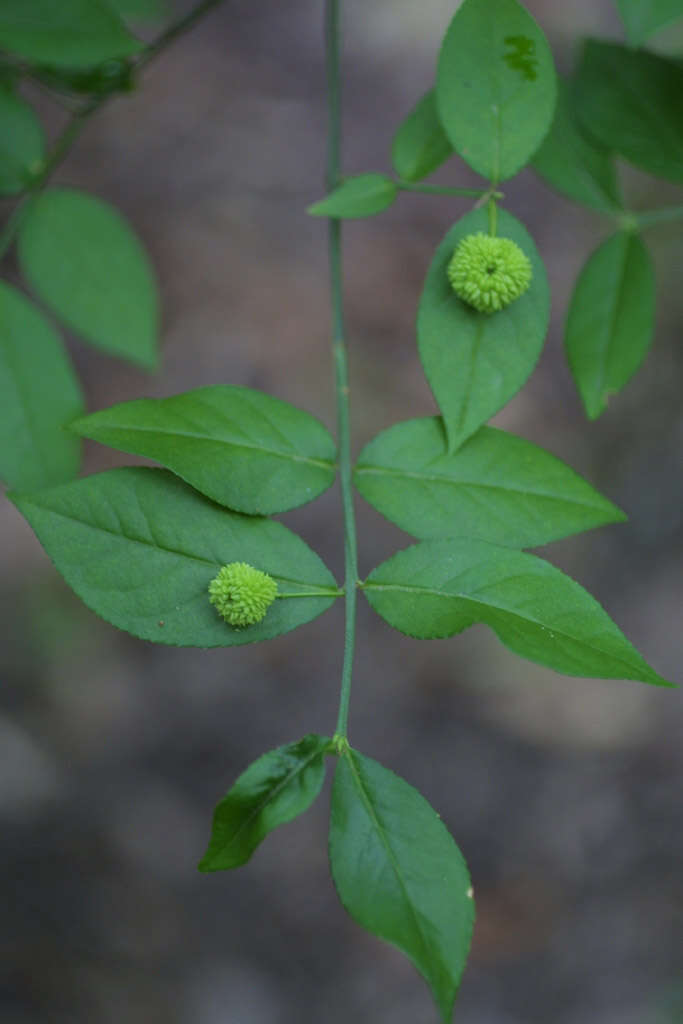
[(240, 447), (497, 487), (643, 17), (610, 320), (22, 143), (362, 196), (39, 393), (495, 86), (84, 261), (420, 144), (399, 873), (67, 33), (475, 362), (140, 548), (276, 788), (439, 588)]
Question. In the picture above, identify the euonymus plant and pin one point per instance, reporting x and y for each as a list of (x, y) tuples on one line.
[(187, 554)]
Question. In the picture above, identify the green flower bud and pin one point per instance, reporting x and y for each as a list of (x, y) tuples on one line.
[(489, 272), (241, 594)]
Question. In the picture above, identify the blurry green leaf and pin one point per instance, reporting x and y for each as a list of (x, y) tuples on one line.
[(110, 77), (84, 261), (276, 788), (440, 587), (643, 17), (399, 873), (610, 320), (420, 144), (632, 101), (240, 447), (496, 487), (574, 164), (39, 393), (362, 196), (140, 548), (475, 362), (22, 144), (495, 86), (68, 33)]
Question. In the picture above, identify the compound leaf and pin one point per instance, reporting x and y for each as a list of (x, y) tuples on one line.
[(361, 196), (67, 33), (643, 17), (420, 144), (22, 144)]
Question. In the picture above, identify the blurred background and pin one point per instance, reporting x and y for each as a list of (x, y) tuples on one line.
[(564, 794)]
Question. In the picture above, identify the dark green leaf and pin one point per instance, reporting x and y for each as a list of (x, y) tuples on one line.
[(632, 101), (495, 86), (22, 144), (140, 548), (475, 362), (83, 260), (276, 788), (69, 33), (643, 17), (574, 164), (362, 196), (610, 320), (399, 873), (420, 144), (39, 393), (440, 587), (496, 487), (240, 447)]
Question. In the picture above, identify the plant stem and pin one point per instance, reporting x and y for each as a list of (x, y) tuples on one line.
[(446, 190), (332, 48), (651, 217), (174, 31)]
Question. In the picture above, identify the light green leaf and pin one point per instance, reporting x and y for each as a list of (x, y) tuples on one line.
[(643, 17), (420, 144), (39, 393), (276, 788), (610, 320), (240, 447), (632, 101), (496, 487), (67, 33), (574, 164), (475, 362), (22, 144), (495, 86), (84, 261), (140, 548), (440, 587), (362, 196), (399, 873)]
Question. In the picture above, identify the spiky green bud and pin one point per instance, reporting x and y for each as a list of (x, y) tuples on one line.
[(489, 272), (241, 594)]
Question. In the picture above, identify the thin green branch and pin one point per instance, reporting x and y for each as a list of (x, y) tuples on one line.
[(174, 31), (649, 218)]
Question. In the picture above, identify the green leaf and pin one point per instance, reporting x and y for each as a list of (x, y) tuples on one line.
[(495, 86), (420, 144), (276, 788), (22, 144), (440, 587), (574, 164), (496, 487), (632, 101), (68, 33), (84, 261), (643, 17), (610, 320), (475, 362), (140, 548), (39, 393), (240, 447), (362, 196), (399, 873)]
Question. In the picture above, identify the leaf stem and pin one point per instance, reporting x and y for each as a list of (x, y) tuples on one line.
[(648, 218), (446, 190), (332, 49)]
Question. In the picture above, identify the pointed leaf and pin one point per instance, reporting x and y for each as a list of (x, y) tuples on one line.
[(439, 588), (39, 393), (496, 487), (68, 33), (495, 86), (399, 873), (240, 447), (84, 261), (475, 362), (610, 320), (140, 548), (420, 144), (22, 144), (276, 788), (362, 196), (643, 17)]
